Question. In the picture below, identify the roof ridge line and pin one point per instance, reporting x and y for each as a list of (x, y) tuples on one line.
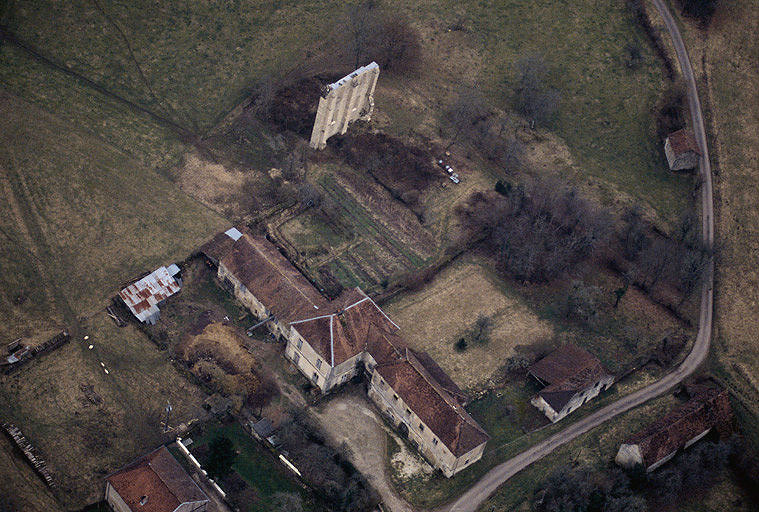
[(331, 340), (312, 318), (271, 264)]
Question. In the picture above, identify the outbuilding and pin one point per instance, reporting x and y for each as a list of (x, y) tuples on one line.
[(155, 482), (681, 150)]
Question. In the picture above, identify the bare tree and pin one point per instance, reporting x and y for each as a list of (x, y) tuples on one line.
[(359, 27), (468, 109), (309, 196), (287, 502), (263, 97), (483, 327), (534, 98)]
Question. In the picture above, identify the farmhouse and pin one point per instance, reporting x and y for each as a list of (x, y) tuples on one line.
[(265, 282), (681, 150), (331, 342), (411, 390), (342, 102), (154, 483), (144, 296), (659, 442), (572, 376)]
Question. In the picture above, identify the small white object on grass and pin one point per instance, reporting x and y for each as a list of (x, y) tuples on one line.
[(87, 337), (102, 364), (105, 370), (90, 347)]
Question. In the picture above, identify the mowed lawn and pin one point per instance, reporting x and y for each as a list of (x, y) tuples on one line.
[(95, 217), (446, 309), (81, 441)]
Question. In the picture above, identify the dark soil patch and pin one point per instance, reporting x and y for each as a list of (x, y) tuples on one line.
[(405, 170), (294, 106)]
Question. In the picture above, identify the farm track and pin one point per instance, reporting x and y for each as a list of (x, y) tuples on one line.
[(8, 37), (471, 500)]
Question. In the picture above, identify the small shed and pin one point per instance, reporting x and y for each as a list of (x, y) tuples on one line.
[(144, 296), (218, 405), (682, 150)]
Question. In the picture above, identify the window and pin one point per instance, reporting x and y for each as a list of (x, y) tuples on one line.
[(421, 428), (296, 358), (299, 343), (315, 378), (395, 397), (318, 363), (408, 412), (466, 462), (434, 441)]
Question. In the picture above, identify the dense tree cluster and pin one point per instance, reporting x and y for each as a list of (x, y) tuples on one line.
[(471, 119), (534, 98), (616, 490), (702, 10), (325, 468), (679, 259), (537, 232), (370, 32)]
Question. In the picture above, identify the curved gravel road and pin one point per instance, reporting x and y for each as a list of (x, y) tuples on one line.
[(477, 494)]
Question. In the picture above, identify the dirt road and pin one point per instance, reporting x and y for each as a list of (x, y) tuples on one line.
[(349, 418), (476, 495)]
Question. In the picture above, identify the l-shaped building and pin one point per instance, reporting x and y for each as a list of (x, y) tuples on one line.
[(332, 341)]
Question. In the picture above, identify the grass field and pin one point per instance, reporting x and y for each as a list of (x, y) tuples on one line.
[(258, 467), (445, 310), (83, 442), (93, 216), (732, 64), (605, 115), (198, 60)]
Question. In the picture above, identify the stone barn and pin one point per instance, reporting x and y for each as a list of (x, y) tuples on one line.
[(408, 387), (331, 342), (660, 441), (682, 150), (571, 377), (155, 482), (347, 100)]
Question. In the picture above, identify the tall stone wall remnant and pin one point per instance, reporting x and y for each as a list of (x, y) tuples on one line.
[(342, 102)]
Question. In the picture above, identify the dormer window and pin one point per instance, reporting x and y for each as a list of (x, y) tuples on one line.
[(299, 343), (143, 500), (318, 363)]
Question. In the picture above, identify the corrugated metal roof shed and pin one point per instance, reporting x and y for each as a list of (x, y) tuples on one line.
[(143, 296)]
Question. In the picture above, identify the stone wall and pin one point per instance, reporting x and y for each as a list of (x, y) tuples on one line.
[(345, 101)]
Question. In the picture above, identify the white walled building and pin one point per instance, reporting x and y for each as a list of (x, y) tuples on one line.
[(572, 376), (331, 342)]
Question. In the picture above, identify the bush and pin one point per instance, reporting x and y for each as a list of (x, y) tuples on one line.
[(221, 456), (461, 345)]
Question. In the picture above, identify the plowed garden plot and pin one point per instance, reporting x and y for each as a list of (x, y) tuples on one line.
[(359, 245)]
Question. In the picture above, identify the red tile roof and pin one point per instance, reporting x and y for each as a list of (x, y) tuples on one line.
[(432, 404), (683, 141), (709, 409), (158, 477), (567, 371), (344, 331), (279, 286)]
